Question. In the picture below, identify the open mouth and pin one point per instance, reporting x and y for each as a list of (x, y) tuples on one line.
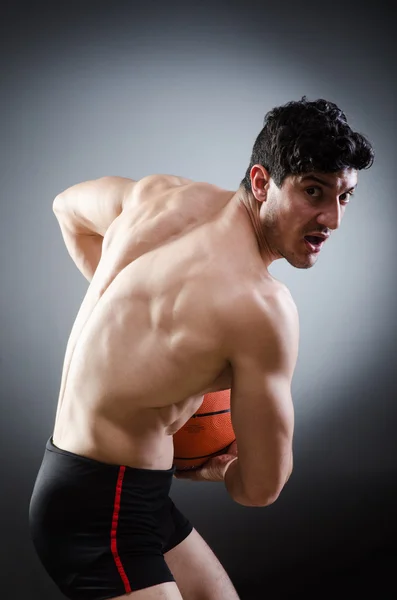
[(314, 242)]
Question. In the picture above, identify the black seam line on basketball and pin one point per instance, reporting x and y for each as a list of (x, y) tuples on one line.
[(216, 412), (195, 457)]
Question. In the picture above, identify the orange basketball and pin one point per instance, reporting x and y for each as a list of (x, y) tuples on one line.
[(207, 433)]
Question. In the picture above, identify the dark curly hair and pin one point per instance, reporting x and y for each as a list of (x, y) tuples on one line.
[(301, 137)]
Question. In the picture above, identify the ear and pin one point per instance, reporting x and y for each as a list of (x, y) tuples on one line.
[(260, 180)]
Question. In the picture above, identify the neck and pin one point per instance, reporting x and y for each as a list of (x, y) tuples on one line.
[(250, 208)]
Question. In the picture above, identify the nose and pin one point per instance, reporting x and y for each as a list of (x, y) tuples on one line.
[(331, 215)]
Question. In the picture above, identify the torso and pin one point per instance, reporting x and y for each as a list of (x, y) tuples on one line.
[(147, 342)]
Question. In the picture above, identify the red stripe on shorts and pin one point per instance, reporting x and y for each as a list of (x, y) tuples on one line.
[(113, 532)]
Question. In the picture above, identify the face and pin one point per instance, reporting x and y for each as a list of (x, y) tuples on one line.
[(298, 218)]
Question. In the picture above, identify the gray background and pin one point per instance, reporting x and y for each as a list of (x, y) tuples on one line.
[(131, 89)]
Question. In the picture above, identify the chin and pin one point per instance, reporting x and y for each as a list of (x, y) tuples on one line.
[(305, 262)]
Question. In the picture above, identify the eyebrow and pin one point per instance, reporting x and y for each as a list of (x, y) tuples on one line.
[(323, 182)]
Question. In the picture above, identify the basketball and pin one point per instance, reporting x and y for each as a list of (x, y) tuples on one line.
[(207, 433)]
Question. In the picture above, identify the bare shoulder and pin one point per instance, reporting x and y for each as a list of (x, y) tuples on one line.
[(268, 302), (278, 302), (263, 321), (159, 182), (170, 186), (156, 185)]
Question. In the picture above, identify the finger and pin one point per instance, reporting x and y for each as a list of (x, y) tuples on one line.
[(188, 474)]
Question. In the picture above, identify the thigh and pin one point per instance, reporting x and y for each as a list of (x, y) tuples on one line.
[(197, 571)]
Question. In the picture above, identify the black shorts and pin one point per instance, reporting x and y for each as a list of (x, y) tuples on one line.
[(101, 530)]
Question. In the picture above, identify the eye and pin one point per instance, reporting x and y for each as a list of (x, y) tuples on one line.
[(345, 198), (314, 191)]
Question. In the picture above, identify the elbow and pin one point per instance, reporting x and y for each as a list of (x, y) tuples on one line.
[(262, 492), (263, 497), (259, 499), (57, 204)]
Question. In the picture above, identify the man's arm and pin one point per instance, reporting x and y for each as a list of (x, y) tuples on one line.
[(263, 358), (84, 213)]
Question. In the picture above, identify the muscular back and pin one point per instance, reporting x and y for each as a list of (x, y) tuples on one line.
[(148, 340)]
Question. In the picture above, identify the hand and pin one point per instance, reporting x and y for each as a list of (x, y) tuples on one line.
[(212, 470)]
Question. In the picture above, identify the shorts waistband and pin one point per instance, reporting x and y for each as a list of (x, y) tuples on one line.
[(50, 446)]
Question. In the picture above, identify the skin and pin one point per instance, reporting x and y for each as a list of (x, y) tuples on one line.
[(191, 328), (305, 204), (180, 303)]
